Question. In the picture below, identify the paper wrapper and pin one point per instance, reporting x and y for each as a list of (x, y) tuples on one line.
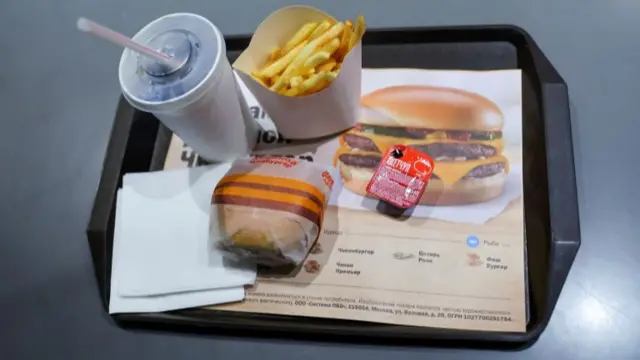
[(326, 112), (269, 209)]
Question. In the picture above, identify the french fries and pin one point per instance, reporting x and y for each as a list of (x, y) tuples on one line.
[(279, 65), (331, 46), (279, 84), (322, 27), (328, 66), (296, 81), (274, 54), (358, 31), (311, 59), (345, 40), (299, 36), (316, 82), (316, 60)]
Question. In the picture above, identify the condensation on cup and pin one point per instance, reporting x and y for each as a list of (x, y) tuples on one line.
[(197, 97)]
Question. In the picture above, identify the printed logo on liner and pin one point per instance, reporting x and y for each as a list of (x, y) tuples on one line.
[(274, 160), (423, 167), (473, 241), (328, 180)]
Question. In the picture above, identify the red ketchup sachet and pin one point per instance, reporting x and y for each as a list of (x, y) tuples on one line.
[(401, 177)]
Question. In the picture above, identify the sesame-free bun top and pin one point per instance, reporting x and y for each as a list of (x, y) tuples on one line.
[(431, 107)]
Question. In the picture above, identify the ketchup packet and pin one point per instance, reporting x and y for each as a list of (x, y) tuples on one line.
[(401, 177)]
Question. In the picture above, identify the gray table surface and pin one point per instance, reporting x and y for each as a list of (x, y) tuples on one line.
[(58, 94)]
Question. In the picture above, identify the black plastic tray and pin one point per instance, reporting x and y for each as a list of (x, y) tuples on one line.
[(139, 143)]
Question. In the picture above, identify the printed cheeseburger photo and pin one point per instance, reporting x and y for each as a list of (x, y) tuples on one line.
[(469, 123), (461, 131)]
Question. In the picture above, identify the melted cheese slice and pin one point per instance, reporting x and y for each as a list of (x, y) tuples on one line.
[(439, 137), (450, 172)]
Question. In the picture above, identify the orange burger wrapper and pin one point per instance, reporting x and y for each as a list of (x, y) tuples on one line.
[(269, 209)]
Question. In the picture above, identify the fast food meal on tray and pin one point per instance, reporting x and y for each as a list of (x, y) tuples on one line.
[(413, 139), (270, 209), (304, 64)]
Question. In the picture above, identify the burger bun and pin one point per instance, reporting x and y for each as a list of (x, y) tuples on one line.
[(429, 107)]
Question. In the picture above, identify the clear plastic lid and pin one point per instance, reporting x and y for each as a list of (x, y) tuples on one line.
[(188, 38)]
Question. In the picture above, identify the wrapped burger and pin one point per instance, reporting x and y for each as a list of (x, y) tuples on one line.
[(270, 209)]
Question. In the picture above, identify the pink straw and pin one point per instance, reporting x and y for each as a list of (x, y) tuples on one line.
[(115, 37)]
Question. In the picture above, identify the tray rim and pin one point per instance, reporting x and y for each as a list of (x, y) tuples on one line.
[(554, 90)]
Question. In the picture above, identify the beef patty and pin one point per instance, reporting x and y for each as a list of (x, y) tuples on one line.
[(438, 151), (360, 143), (363, 161), (372, 161), (484, 171), (451, 151)]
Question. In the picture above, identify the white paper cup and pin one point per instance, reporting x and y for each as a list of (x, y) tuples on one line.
[(200, 102), (326, 112)]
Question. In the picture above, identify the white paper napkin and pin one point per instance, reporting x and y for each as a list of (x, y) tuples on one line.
[(164, 239), (120, 304)]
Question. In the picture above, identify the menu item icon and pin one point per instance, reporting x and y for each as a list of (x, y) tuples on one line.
[(312, 266), (399, 255), (473, 241), (474, 260)]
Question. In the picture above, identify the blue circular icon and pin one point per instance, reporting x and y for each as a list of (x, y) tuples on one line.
[(473, 241)]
